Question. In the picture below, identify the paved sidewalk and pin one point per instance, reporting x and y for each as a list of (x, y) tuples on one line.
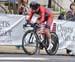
[(13, 49), (10, 49)]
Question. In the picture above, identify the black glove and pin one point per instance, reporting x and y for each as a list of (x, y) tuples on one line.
[(24, 25), (36, 25), (27, 22)]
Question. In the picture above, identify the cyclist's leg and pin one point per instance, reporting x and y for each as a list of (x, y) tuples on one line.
[(47, 30), (38, 29)]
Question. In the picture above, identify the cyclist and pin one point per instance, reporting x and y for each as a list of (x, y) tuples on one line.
[(45, 16)]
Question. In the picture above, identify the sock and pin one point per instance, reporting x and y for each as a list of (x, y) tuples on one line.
[(50, 45), (49, 41)]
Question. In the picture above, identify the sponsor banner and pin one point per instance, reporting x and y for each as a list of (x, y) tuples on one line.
[(66, 34), (11, 31)]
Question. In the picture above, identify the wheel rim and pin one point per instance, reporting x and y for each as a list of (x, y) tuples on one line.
[(55, 44), (29, 46)]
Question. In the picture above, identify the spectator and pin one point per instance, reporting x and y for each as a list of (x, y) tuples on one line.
[(71, 14), (22, 7), (62, 15)]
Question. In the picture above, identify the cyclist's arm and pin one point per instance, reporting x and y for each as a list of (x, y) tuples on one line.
[(42, 15), (50, 20), (30, 15)]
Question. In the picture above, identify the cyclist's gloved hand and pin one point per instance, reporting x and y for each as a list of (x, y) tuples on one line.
[(36, 25), (24, 25), (27, 22)]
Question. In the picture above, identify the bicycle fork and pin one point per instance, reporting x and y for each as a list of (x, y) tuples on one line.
[(30, 38)]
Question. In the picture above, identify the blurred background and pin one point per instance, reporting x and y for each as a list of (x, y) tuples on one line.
[(11, 6)]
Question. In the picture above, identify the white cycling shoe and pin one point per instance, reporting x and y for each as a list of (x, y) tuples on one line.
[(50, 46)]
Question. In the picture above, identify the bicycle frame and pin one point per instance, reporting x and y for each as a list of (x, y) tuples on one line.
[(35, 32)]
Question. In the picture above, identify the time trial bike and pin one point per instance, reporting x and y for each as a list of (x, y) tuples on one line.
[(33, 39)]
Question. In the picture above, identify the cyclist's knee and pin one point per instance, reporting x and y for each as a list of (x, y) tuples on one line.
[(47, 26), (47, 30)]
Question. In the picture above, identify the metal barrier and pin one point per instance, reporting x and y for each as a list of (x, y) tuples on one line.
[(3, 9)]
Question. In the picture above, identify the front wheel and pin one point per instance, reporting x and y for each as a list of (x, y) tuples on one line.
[(55, 43), (29, 43)]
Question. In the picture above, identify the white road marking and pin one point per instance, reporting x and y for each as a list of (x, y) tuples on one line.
[(33, 58), (20, 58)]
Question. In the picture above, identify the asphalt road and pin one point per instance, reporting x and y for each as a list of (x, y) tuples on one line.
[(12, 54), (35, 58)]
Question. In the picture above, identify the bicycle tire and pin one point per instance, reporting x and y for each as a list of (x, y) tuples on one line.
[(29, 52), (3, 10), (54, 37)]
